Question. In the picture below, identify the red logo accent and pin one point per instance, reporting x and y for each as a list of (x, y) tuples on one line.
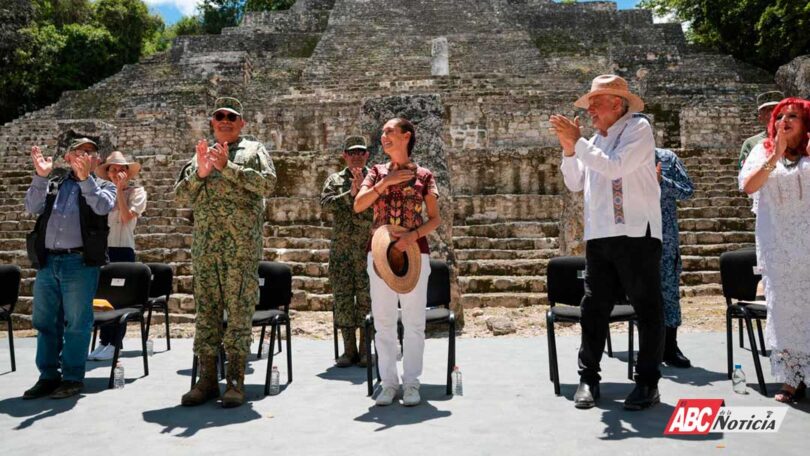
[(693, 416)]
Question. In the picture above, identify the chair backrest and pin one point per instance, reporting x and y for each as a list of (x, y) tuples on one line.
[(738, 276), (162, 277), (275, 286), (124, 284), (564, 280), (438, 291), (9, 285)]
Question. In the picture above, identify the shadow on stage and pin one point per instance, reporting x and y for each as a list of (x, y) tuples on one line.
[(398, 415)]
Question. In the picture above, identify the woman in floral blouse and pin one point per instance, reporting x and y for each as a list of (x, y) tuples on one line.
[(400, 192)]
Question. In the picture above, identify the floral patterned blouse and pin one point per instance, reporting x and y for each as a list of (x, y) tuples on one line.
[(401, 204)]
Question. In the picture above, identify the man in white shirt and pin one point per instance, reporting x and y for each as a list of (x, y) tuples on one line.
[(616, 169)]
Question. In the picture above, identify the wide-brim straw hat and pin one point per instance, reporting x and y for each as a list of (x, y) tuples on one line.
[(381, 245), (610, 84), (117, 158)]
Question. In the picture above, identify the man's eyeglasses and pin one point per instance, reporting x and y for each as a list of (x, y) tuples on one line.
[(355, 152), (220, 116)]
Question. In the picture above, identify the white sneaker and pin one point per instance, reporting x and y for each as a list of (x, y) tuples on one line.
[(106, 353), (411, 396), (94, 353), (386, 396)]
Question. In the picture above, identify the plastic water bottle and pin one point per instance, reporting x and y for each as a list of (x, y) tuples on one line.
[(150, 347), (274, 376), (738, 380), (118, 376), (458, 388), (265, 349)]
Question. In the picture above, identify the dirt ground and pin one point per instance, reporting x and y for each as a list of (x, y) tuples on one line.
[(699, 314)]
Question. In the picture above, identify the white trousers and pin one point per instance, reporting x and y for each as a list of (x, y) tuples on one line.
[(384, 308)]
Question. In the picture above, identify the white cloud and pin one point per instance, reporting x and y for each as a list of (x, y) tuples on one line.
[(186, 7)]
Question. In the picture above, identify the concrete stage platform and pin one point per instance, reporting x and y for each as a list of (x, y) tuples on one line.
[(508, 407)]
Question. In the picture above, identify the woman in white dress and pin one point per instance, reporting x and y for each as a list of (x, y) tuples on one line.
[(779, 170)]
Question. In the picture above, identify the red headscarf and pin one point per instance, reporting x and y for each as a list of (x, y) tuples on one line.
[(804, 113)]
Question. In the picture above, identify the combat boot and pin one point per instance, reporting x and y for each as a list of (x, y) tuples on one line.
[(207, 387), (349, 355), (363, 360), (235, 390)]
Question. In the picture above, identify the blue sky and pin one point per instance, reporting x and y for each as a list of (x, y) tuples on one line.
[(172, 10)]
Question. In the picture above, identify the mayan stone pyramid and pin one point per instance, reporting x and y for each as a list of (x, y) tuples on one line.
[(480, 78)]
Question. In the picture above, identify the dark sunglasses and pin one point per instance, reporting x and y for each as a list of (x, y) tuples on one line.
[(220, 116), (355, 152)]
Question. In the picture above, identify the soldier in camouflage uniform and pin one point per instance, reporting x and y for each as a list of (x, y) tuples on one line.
[(225, 185), (347, 254)]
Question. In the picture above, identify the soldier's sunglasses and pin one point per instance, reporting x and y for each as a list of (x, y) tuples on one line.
[(220, 116), (355, 152)]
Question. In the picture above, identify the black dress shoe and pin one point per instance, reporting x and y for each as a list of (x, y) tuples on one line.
[(677, 359), (672, 354), (67, 389), (42, 388), (642, 397), (586, 395)]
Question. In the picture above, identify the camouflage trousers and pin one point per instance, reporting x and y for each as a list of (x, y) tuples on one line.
[(350, 289), (224, 284)]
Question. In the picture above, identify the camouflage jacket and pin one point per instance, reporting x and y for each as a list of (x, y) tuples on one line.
[(349, 230), (228, 205)]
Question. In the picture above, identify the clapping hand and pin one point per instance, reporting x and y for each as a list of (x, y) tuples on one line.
[(81, 166), (204, 166), (42, 165), (658, 171), (218, 155), (120, 179), (567, 131), (357, 180)]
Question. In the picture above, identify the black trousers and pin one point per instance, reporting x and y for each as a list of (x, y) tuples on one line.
[(617, 267), (109, 334)]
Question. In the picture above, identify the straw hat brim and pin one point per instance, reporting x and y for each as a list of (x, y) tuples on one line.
[(636, 104), (134, 169), (380, 243)]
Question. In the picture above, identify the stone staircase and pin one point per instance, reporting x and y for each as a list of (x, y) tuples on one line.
[(305, 75)]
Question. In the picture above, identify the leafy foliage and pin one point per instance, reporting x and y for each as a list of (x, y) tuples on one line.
[(765, 33)]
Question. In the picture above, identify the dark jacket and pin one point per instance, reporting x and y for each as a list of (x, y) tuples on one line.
[(94, 230)]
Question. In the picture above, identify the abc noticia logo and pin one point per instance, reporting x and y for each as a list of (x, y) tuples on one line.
[(702, 416)]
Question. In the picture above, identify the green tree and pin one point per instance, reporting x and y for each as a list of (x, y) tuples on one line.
[(766, 33), (191, 25), (62, 12), (218, 14), (130, 23), (268, 5)]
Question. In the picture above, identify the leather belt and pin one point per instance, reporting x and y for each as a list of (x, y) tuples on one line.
[(64, 251)]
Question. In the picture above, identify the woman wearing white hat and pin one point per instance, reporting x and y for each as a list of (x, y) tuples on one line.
[(130, 202), (398, 258)]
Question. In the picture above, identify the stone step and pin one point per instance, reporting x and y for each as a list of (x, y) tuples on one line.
[(711, 237), (472, 300), (717, 224), (485, 209), (503, 267), (502, 284), (284, 255), (700, 277), (317, 285), (711, 212), (712, 249), (510, 230), (700, 263), (296, 243), (741, 200), (494, 254), (473, 242)]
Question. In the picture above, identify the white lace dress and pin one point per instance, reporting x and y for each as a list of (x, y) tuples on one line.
[(783, 253)]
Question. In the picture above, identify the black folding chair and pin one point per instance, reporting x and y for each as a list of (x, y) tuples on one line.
[(9, 293), (740, 279), (438, 311), (159, 292), (273, 309), (566, 285), (126, 287)]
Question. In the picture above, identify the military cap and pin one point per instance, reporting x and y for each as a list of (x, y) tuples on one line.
[(355, 142), (771, 98), (78, 142), (228, 104)]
